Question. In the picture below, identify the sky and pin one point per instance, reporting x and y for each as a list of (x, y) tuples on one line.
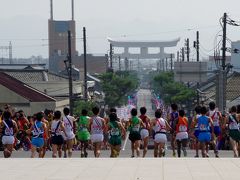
[(25, 23)]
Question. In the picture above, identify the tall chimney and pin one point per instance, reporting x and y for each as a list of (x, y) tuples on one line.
[(51, 9), (72, 9)]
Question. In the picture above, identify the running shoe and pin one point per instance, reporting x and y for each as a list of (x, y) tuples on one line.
[(174, 154)]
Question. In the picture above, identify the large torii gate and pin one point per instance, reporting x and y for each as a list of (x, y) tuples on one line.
[(144, 45)]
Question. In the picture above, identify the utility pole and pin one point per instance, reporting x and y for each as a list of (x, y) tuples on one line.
[(224, 41), (119, 63), (197, 49), (222, 73), (188, 49), (85, 64), (71, 102), (166, 65), (111, 56), (197, 45), (183, 54), (171, 56), (177, 56)]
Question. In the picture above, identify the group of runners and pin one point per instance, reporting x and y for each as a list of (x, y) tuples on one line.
[(60, 131)]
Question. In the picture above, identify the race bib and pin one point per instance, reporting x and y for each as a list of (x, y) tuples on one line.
[(215, 122), (202, 127), (115, 132), (182, 128), (233, 125)]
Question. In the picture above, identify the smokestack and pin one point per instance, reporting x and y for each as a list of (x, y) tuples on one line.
[(51, 9), (72, 9)]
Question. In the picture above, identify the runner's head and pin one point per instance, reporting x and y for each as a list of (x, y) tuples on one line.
[(113, 117), (198, 109), (66, 111), (134, 112), (174, 107), (7, 115), (113, 110), (57, 115), (143, 110), (233, 109), (84, 112), (212, 105), (39, 116), (158, 113), (181, 113), (203, 110), (95, 110)]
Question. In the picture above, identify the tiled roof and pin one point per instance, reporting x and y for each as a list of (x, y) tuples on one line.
[(34, 75), (232, 91), (23, 90)]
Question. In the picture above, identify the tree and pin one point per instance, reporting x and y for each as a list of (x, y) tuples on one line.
[(117, 86), (80, 105), (170, 90)]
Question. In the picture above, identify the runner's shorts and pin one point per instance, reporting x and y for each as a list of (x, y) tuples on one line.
[(217, 130), (160, 138), (95, 138), (134, 136), (58, 140), (115, 140), (8, 140), (70, 136), (181, 135), (144, 133), (204, 137), (196, 133), (234, 134), (38, 142)]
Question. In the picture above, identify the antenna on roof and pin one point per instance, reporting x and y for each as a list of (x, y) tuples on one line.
[(51, 9), (72, 10)]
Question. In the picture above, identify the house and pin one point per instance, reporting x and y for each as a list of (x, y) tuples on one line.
[(22, 96)]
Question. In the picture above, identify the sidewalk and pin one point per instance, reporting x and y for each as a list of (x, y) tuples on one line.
[(120, 169)]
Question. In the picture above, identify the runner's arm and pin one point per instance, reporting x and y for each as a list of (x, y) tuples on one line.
[(15, 128), (63, 128), (45, 128)]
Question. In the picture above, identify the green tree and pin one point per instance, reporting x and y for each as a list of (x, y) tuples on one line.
[(80, 105), (170, 90), (117, 86)]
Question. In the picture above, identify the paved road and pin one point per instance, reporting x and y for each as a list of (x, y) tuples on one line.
[(144, 99), (123, 154)]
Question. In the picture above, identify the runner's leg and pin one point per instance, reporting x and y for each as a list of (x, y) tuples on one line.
[(145, 146)]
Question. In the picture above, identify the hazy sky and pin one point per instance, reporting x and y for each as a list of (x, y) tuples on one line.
[(25, 22)]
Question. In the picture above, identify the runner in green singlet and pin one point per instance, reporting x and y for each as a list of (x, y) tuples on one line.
[(83, 134), (116, 130), (134, 127)]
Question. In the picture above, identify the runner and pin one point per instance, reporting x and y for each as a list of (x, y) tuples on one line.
[(68, 125), (144, 130), (160, 127), (97, 127), (9, 130), (172, 119), (217, 122), (238, 117), (134, 125), (45, 135), (182, 133), (196, 130), (116, 130), (204, 136), (83, 132), (37, 130), (234, 133), (57, 128)]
